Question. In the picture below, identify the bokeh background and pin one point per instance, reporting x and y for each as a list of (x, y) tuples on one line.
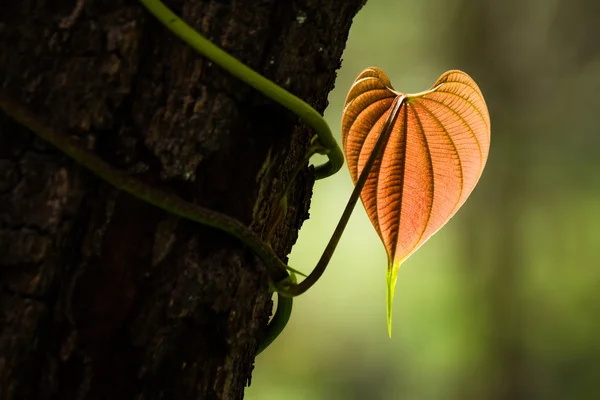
[(503, 302)]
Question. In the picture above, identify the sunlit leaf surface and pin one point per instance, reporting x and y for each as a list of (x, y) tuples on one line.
[(435, 154)]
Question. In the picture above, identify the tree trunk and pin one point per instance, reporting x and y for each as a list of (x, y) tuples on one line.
[(107, 297)]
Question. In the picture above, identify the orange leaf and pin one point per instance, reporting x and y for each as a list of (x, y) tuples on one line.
[(436, 151)]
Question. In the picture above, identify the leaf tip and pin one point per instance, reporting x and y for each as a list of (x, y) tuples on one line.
[(392, 276)]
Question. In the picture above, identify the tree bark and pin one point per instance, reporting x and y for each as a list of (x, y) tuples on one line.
[(102, 295)]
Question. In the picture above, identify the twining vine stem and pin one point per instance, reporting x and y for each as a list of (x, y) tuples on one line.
[(323, 143)]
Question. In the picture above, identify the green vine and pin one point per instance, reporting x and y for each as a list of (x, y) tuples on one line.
[(322, 143)]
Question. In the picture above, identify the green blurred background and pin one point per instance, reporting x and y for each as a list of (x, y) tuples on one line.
[(503, 302)]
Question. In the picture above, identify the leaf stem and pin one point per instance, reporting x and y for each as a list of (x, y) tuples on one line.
[(384, 135)]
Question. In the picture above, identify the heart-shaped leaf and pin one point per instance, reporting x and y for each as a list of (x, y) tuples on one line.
[(437, 148)]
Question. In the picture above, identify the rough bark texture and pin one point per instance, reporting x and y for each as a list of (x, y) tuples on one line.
[(103, 296)]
